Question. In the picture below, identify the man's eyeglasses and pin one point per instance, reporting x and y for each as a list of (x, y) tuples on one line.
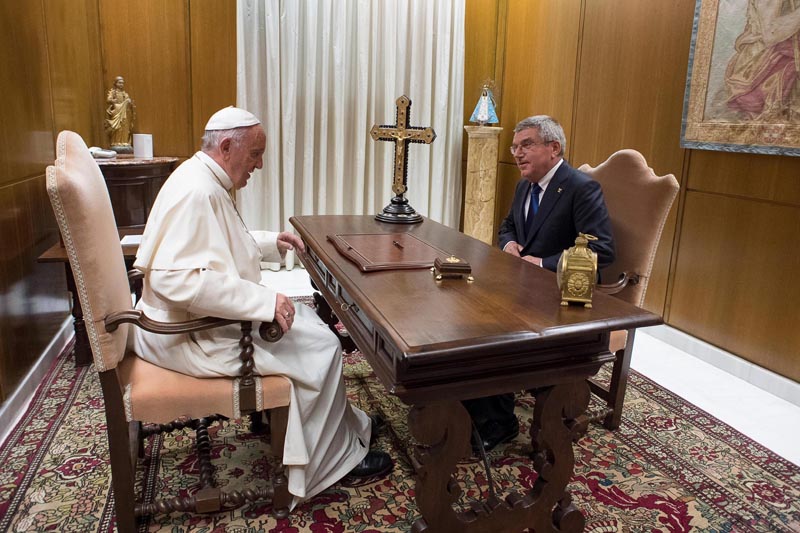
[(525, 145)]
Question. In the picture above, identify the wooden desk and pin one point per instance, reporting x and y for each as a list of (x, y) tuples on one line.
[(435, 343), (133, 183), (58, 254)]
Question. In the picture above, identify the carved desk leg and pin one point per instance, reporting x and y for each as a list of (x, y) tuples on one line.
[(555, 426), (82, 351), (442, 429)]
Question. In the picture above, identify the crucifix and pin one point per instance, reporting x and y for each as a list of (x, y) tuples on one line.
[(399, 211)]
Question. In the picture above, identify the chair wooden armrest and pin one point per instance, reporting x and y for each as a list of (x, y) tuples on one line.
[(138, 318), (269, 331), (625, 279)]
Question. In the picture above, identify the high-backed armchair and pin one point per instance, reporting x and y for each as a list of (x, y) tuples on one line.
[(141, 398), (638, 203)]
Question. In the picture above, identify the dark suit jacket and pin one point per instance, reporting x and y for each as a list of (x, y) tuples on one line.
[(572, 203)]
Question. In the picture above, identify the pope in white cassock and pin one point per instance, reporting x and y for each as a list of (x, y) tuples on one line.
[(199, 259)]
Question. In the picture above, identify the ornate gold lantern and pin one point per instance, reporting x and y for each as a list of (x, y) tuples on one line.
[(577, 272)]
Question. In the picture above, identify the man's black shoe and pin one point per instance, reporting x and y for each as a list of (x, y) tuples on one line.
[(493, 434), (378, 423), (376, 463)]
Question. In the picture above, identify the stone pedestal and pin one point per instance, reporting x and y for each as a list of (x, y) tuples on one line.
[(481, 187)]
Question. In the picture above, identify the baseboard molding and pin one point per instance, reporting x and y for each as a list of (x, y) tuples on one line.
[(16, 404), (758, 376)]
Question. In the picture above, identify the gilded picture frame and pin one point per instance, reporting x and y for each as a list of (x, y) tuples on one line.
[(743, 81)]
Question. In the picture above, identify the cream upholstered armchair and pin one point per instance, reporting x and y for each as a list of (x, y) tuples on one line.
[(141, 398), (638, 203)]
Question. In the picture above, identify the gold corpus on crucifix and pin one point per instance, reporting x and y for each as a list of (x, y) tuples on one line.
[(399, 211)]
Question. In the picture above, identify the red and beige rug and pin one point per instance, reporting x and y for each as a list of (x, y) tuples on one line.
[(671, 467)]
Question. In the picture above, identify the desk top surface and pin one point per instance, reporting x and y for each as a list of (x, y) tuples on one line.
[(506, 330), (509, 298)]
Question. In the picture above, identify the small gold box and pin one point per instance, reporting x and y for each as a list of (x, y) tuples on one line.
[(452, 267)]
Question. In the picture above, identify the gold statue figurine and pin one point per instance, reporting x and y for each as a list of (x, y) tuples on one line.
[(120, 116)]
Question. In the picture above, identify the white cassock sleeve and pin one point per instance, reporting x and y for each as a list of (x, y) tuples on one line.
[(268, 243), (208, 293)]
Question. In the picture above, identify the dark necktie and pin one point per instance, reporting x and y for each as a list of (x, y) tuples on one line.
[(533, 208)]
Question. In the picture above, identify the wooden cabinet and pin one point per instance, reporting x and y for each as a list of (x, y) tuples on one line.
[(133, 184)]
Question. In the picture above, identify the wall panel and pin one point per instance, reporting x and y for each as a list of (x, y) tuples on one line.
[(735, 279), (760, 177), (540, 61), (631, 79), (481, 28), (147, 42), (213, 52), (26, 119), (73, 47)]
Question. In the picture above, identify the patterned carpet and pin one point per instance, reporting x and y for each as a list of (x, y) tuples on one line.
[(670, 467)]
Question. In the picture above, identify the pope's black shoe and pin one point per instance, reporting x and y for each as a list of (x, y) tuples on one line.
[(493, 434), (378, 423), (376, 463)]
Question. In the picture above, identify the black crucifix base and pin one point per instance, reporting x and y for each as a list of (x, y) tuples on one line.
[(399, 212)]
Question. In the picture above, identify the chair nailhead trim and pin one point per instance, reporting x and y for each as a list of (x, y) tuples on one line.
[(61, 217), (126, 400), (259, 394), (236, 407)]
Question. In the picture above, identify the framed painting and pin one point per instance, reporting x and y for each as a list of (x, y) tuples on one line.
[(743, 81)]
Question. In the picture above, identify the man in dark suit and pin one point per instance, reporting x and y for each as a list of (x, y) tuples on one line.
[(552, 203)]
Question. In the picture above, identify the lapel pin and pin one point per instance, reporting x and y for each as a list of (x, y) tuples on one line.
[(559, 190)]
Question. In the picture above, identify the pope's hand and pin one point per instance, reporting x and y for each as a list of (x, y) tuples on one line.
[(284, 312), (289, 241)]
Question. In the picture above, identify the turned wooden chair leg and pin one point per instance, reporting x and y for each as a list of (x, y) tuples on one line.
[(136, 438), (258, 425), (281, 499), (123, 456)]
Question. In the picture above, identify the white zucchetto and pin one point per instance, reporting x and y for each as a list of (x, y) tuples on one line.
[(230, 118)]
